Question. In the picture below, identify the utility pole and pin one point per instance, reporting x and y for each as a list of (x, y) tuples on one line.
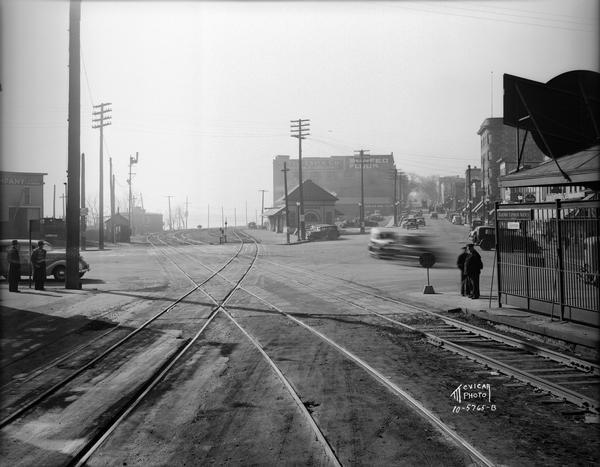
[(54, 203), (132, 161), (112, 200), (102, 119), (362, 186), (83, 208), (287, 217), (170, 221), (186, 212), (72, 280), (469, 194), (262, 209), (299, 129), (63, 197), (222, 217), (208, 218)]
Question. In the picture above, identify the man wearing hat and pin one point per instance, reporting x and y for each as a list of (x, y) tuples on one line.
[(14, 267), (38, 261), (465, 288), (473, 267)]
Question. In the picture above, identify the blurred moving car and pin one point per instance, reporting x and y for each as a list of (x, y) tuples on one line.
[(323, 232), (56, 260), (388, 244), (410, 223)]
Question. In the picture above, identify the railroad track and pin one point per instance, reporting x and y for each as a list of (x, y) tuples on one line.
[(376, 375), (42, 394), (220, 306), (565, 377)]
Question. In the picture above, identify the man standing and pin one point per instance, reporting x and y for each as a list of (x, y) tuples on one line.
[(14, 267), (465, 288), (38, 261), (473, 267)]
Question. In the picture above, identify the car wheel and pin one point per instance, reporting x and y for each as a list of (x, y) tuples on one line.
[(485, 245), (59, 273)]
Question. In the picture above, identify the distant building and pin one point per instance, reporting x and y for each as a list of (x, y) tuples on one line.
[(499, 147), (144, 222), (452, 192), (116, 229), (340, 175), (22, 200)]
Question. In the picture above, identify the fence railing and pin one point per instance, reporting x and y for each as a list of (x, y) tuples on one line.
[(547, 258)]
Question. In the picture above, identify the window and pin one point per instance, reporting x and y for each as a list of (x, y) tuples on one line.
[(26, 196)]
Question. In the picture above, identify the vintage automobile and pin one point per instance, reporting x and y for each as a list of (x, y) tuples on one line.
[(484, 236), (388, 244), (56, 260), (323, 232), (433, 215), (457, 219), (409, 223), (420, 220)]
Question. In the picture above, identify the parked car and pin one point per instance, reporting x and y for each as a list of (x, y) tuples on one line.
[(484, 236), (323, 232), (387, 244), (476, 223), (457, 220), (420, 220), (56, 259), (433, 215), (252, 225), (410, 223)]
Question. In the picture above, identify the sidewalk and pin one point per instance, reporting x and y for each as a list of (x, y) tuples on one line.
[(565, 334)]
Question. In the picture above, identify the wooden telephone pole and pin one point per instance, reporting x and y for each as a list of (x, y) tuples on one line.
[(102, 119)]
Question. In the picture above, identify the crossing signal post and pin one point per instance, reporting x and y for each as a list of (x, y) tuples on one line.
[(299, 129)]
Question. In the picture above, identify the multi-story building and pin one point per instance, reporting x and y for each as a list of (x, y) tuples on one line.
[(341, 176), (452, 192), (22, 195), (499, 148)]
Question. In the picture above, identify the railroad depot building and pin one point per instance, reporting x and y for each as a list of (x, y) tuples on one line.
[(22, 200), (319, 208), (341, 177)]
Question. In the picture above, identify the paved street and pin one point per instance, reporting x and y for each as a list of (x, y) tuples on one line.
[(303, 364)]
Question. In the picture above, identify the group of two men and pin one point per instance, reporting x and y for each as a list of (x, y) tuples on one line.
[(470, 265), (38, 261)]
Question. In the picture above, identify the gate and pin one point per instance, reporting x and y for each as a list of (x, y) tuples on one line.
[(547, 258)]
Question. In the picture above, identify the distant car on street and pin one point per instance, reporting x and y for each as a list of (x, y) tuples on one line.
[(323, 232), (410, 223), (56, 260), (420, 220), (252, 225), (457, 220), (433, 215)]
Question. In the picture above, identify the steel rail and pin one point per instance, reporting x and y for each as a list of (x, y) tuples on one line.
[(86, 453), (45, 394), (422, 410), (542, 383)]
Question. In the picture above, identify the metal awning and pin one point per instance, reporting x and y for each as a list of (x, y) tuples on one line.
[(477, 207), (273, 211), (582, 167)]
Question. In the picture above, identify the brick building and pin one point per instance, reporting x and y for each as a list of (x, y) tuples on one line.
[(22, 200), (340, 175)]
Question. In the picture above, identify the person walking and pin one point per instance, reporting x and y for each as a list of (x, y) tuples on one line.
[(14, 267), (38, 261), (465, 288), (473, 267)]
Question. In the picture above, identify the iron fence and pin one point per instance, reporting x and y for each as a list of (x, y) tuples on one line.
[(547, 258)]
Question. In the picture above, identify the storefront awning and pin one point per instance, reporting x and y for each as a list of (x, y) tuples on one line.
[(582, 167), (477, 207)]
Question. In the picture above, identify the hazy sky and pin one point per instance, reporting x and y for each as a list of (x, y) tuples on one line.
[(205, 91)]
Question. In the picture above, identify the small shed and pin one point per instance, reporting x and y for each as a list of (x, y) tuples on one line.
[(116, 229)]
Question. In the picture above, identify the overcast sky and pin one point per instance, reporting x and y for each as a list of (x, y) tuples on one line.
[(205, 91)]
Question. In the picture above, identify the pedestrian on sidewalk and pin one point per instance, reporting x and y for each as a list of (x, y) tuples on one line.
[(465, 288), (473, 267), (14, 267), (38, 261)]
